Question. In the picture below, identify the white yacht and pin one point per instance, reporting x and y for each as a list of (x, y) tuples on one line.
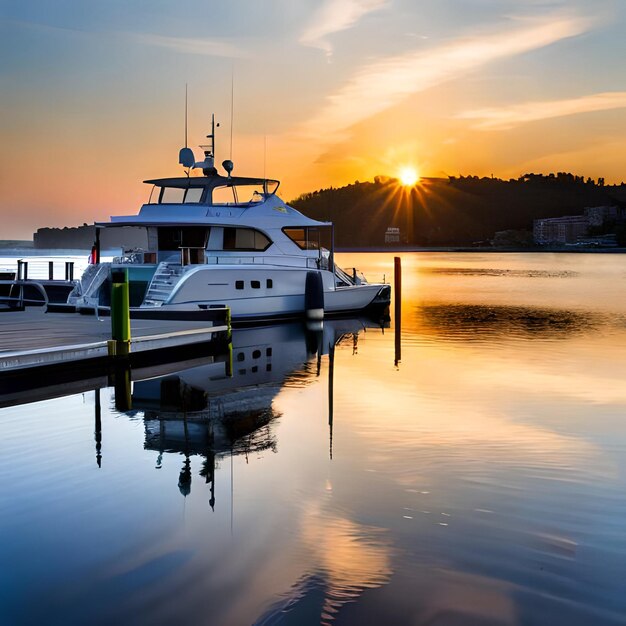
[(216, 240)]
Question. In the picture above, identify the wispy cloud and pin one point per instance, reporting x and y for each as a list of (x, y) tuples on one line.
[(386, 83), (508, 117), (214, 47), (187, 45), (334, 16)]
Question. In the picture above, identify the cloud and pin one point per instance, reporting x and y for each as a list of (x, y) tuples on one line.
[(508, 117), (383, 84), (334, 16), (187, 45)]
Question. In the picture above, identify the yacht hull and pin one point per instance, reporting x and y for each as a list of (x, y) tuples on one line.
[(256, 292)]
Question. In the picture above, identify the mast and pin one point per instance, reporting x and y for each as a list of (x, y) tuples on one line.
[(208, 167)]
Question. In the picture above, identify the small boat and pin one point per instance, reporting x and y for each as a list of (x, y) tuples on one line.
[(215, 240)]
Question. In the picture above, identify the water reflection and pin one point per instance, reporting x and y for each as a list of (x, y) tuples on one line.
[(470, 322), (479, 480), (347, 559), (497, 271), (225, 408)]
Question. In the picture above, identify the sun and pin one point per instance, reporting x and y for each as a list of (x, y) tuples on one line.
[(408, 176)]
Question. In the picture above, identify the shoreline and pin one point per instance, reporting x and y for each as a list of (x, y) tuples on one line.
[(483, 250)]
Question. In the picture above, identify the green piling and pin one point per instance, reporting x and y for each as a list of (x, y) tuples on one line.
[(120, 312)]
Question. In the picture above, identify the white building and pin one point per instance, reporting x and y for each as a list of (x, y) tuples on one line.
[(392, 235), (565, 229)]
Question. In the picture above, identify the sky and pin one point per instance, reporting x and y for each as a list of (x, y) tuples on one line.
[(324, 92)]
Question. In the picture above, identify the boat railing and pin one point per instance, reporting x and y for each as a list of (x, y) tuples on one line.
[(349, 278), (44, 270), (191, 256), (283, 259)]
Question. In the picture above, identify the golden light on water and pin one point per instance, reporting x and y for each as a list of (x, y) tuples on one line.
[(408, 176)]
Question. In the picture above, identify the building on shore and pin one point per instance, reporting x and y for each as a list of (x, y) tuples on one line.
[(561, 230), (392, 235), (601, 215)]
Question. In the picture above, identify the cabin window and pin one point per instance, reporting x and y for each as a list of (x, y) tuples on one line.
[(309, 238), (245, 239), (239, 284), (269, 284), (173, 237), (255, 284)]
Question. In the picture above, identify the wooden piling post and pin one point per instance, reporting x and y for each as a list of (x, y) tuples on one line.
[(98, 429), (397, 307)]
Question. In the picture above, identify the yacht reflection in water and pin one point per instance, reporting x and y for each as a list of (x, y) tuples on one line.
[(224, 408)]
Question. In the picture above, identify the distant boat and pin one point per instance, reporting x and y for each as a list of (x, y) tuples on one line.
[(228, 240)]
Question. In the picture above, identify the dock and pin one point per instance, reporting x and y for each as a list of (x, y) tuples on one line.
[(39, 349)]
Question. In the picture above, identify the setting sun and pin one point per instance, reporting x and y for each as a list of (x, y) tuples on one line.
[(408, 176)]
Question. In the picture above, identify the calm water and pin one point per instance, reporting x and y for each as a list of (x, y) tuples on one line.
[(481, 480)]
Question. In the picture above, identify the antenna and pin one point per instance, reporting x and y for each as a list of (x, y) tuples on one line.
[(232, 99), (186, 157)]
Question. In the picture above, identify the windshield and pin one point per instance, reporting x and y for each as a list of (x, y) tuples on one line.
[(238, 194), (175, 195)]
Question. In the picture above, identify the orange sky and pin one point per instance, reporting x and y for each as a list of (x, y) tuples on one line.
[(325, 93)]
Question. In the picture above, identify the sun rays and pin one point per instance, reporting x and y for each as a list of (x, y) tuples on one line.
[(408, 176)]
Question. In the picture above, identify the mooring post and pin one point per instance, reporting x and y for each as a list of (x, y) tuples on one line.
[(397, 306), (98, 429), (120, 314)]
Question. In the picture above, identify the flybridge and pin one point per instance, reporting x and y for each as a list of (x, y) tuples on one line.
[(214, 190)]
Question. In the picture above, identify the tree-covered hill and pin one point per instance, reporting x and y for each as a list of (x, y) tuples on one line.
[(453, 211)]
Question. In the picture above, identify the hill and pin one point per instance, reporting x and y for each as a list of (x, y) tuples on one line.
[(452, 211)]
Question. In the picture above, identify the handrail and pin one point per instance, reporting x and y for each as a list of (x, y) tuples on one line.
[(20, 299), (43, 268), (185, 255)]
